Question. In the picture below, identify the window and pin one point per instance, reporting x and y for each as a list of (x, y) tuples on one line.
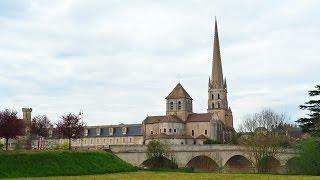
[(91, 141), (171, 105), (192, 132), (212, 105), (117, 140), (123, 140), (218, 96), (212, 96), (130, 140), (110, 140), (97, 140), (164, 130), (170, 130), (124, 130), (110, 131), (175, 130), (179, 105), (104, 140), (151, 132), (205, 132), (160, 130), (218, 105)]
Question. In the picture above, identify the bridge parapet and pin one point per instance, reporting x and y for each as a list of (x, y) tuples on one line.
[(184, 154)]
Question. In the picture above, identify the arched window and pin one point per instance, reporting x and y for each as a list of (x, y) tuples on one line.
[(218, 105), (192, 132), (212, 96), (205, 132), (175, 130), (164, 130), (212, 105), (179, 105), (218, 96), (171, 105), (170, 130)]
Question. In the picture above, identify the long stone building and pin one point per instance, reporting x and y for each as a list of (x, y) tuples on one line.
[(179, 124)]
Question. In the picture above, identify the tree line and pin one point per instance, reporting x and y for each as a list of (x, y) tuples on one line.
[(69, 126)]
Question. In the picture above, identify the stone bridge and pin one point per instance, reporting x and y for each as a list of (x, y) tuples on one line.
[(204, 157)]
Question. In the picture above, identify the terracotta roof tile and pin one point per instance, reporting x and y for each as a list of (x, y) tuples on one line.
[(178, 92), (153, 119), (172, 118), (205, 117), (202, 137)]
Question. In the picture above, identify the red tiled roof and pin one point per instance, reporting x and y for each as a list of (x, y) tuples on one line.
[(172, 118), (204, 117), (153, 119), (158, 119), (201, 137), (178, 92)]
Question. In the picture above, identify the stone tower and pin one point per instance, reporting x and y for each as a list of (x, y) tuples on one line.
[(27, 119), (179, 103), (217, 87)]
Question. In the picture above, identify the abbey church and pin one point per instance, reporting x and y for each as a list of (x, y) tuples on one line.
[(180, 125)]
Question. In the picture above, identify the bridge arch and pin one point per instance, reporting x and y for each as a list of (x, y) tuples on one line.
[(292, 165), (159, 162), (238, 163), (203, 163), (269, 164)]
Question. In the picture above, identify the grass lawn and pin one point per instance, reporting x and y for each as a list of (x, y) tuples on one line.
[(178, 175), (60, 163)]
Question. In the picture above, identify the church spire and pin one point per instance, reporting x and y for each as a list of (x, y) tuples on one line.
[(217, 75)]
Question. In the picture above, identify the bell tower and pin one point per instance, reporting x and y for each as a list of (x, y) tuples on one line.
[(217, 86), (179, 103)]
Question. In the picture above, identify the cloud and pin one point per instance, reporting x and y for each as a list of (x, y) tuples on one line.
[(118, 60)]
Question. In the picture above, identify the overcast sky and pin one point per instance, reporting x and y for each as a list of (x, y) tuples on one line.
[(118, 60)]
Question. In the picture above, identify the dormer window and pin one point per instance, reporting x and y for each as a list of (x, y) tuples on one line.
[(124, 130), (110, 131)]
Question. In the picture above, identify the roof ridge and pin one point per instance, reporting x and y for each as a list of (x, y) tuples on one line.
[(178, 92)]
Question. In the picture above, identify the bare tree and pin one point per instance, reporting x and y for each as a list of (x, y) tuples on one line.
[(40, 125), (263, 136), (10, 125), (70, 127)]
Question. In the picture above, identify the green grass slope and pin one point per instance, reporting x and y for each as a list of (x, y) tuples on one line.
[(60, 163)]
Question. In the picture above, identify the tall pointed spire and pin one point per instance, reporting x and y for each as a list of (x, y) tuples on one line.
[(217, 75)]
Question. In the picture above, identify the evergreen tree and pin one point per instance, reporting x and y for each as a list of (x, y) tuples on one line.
[(312, 123)]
